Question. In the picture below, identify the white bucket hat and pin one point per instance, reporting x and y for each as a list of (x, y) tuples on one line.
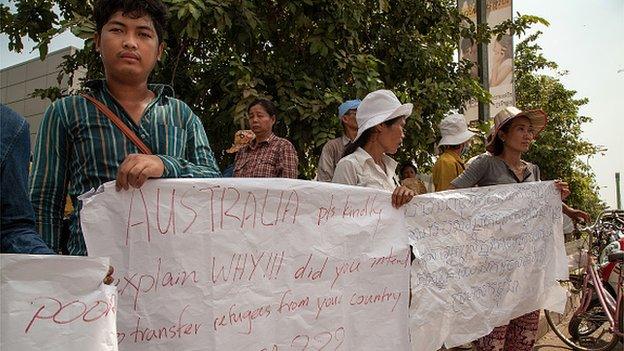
[(454, 130), (378, 107)]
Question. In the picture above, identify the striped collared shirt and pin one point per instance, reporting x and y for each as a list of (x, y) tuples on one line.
[(78, 149)]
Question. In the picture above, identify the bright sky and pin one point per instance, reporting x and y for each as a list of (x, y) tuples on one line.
[(584, 38)]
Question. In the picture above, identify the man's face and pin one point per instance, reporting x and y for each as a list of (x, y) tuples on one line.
[(349, 118), (129, 47)]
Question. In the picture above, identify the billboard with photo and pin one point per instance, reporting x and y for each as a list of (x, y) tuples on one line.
[(500, 56)]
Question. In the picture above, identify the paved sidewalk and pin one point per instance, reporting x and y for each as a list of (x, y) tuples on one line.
[(549, 341)]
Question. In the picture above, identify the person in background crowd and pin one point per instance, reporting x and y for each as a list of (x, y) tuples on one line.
[(455, 138), (17, 220), (79, 148), (267, 156), (380, 120), (409, 178), (241, 139), (513, 132), (333, 149)]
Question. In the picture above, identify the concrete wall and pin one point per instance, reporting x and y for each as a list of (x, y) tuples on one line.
[(18, 82)]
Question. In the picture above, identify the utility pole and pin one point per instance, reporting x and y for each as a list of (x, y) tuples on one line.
[(617, 191), (482, 58)]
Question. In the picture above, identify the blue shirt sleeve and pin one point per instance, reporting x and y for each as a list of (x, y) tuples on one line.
[(17, 219)]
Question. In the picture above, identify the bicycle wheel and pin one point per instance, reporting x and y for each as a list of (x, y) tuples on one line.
[(586, 331)]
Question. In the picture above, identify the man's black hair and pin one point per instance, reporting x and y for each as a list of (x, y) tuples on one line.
[(103, 10)]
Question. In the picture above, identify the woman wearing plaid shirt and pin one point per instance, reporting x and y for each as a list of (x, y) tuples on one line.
[(267, 156)]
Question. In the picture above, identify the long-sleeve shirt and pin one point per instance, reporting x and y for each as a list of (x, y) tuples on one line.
[(79, 148), (17, 219), (360, 169), (330, 155)]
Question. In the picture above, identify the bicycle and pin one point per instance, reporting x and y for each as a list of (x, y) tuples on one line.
[(597, 323)]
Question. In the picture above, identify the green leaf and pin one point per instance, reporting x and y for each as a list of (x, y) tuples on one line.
[(309, 56), (194, 12)]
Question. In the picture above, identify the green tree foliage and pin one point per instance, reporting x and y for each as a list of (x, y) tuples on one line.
[(307, 55), (559, 146)]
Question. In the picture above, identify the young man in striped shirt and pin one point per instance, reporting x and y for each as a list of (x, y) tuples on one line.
[(79, 148)]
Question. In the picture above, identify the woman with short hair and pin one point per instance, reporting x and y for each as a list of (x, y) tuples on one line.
[(267, 156)]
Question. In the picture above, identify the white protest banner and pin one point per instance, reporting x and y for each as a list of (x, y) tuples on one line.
[(253, 264), (56, 303), (484, 256)]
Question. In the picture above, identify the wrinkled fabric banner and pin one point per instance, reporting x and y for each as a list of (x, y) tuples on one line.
[(56, 303), (483, 257), (253, 264)]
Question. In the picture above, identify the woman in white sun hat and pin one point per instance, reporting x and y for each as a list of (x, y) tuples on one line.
[(513, 132), (380, 119), (455, 138)]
